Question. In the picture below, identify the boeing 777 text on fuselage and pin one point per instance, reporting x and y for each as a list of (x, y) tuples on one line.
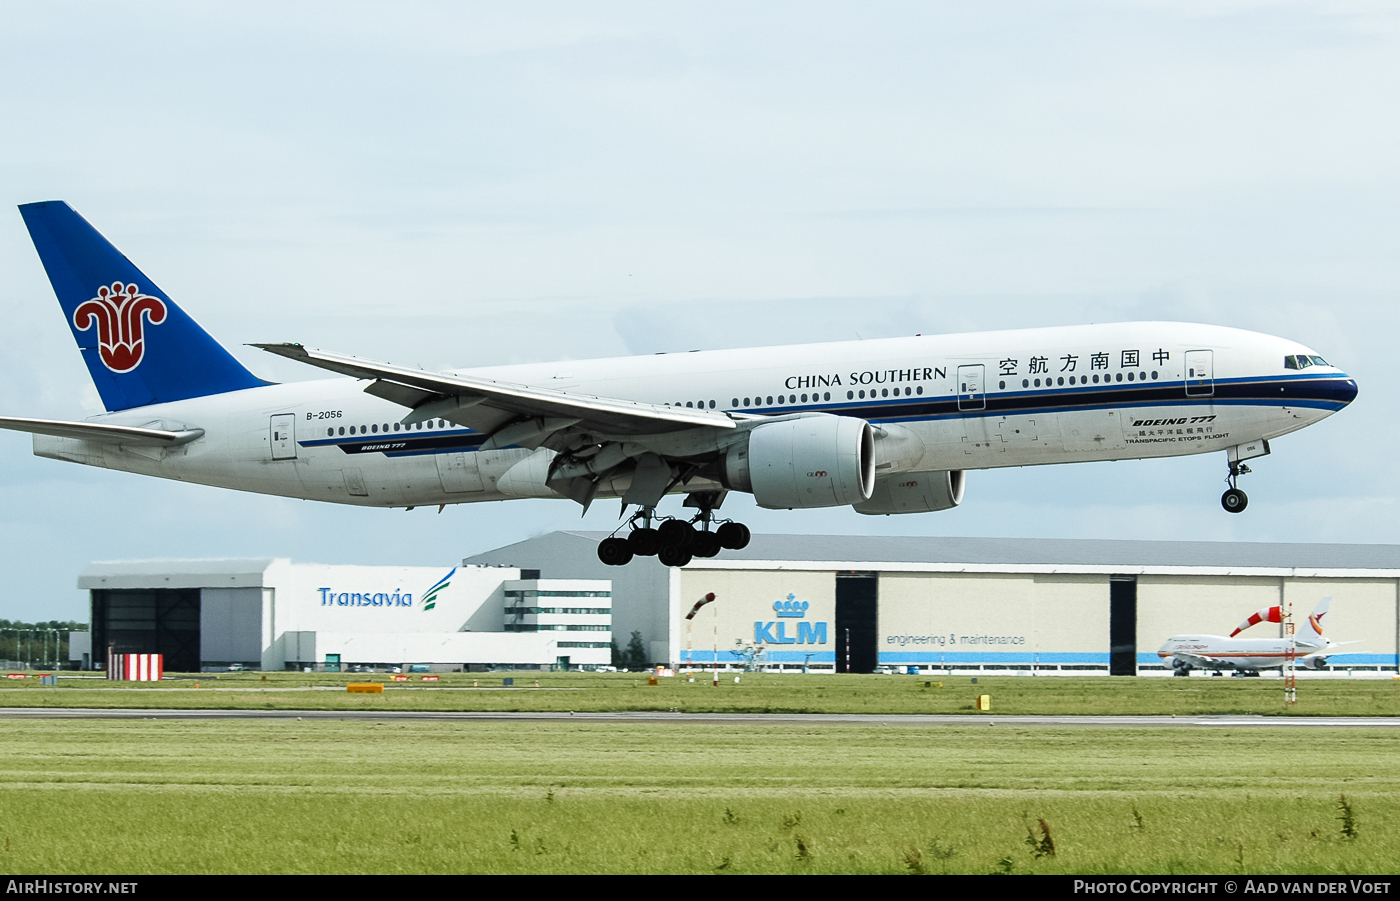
[(882, 426)]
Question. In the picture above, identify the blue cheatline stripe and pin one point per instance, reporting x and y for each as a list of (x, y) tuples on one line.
[(927, 658), (402, 445), (768, 657), (1298, 391)]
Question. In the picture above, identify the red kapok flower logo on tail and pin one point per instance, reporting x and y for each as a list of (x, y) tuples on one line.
[(120, 313)]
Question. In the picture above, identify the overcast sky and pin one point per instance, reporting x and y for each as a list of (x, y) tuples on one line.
[(457, 184)]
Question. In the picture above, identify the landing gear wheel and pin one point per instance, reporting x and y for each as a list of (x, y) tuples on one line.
[(670, 555), (733, 535), (644, 542), (614, 551), (706, 544), (1234, 501), (676, 533)]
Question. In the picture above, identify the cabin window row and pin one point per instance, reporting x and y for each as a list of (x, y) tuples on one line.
[(376, 428), (760, 401), (1085, 379)]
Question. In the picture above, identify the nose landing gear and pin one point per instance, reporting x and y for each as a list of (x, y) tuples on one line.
[(1234, 500)]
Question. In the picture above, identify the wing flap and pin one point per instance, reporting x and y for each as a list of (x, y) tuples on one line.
[(100, 432), (604, 414)]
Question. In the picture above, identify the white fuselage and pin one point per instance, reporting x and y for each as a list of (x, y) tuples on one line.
[(1219, 652), (974, 401)]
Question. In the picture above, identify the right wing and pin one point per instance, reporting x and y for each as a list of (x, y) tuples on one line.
[(106, 434)]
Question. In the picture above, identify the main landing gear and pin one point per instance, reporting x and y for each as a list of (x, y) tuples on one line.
[(1234, 500), (675, 542)]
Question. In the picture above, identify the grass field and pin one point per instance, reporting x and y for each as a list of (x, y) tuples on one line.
[(284, 796), (755, 693)]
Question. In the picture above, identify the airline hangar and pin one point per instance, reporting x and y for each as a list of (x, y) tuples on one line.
[(786, 602), (1056, 605)]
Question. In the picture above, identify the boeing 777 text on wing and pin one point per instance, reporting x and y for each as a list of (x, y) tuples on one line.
[(882, 426)]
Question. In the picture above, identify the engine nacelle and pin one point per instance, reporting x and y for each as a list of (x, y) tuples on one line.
[(1315, 662), (915, 492), (810, 461)]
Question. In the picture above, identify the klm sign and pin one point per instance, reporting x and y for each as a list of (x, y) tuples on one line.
[(776, 632)]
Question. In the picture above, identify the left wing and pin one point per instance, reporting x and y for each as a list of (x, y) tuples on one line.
[(595, 437), (469, 400), (1201, 662)]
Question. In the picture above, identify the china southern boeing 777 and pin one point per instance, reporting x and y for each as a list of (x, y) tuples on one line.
[(882, 426)]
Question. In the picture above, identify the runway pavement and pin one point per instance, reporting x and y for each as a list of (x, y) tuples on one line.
[(650, 717)]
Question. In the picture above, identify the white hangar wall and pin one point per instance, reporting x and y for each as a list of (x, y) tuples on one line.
[(983, 618)]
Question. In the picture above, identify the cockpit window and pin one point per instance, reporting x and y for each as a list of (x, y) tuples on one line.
[(1303, 361)]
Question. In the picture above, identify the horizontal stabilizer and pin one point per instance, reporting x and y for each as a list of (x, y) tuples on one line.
[(107, 434)]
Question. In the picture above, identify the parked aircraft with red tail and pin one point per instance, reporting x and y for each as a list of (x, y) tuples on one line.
[(1218, 652)]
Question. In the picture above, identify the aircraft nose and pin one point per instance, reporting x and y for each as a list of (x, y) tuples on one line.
[(1344, 390)]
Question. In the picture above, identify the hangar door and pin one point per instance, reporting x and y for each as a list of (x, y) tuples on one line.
[(1122, 625), (857, 621), (148, 621)]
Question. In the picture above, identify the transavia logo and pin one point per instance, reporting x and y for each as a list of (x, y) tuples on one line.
[(120, 313), (430, 597), (776, 632)]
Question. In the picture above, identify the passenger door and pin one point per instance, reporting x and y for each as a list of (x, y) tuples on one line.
[(1200, 373), (282, 436), (971, 385)]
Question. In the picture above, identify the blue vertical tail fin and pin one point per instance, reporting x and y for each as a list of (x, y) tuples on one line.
[(138, 345)]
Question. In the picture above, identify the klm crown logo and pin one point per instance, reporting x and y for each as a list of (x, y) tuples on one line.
[(791, 608), (775, 632)]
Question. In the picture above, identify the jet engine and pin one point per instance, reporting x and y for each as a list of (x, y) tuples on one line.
[(1314, 662), (808, 461), (915, 492)]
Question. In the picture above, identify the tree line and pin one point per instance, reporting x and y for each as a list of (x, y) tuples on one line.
[(38, 644)]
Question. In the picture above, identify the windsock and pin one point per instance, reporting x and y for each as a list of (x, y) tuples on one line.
[(700, 603), (1264, 614)]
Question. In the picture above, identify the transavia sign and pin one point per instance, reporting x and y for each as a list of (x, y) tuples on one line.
[(776, 632), (330, 597)]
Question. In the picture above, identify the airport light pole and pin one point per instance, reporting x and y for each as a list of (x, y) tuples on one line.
[(1290, 657)]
